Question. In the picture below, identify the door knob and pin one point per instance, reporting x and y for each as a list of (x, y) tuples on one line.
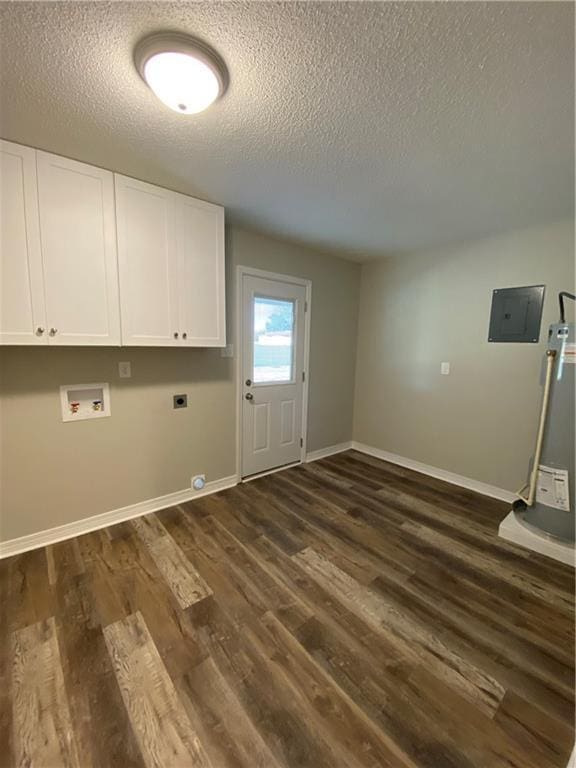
[(248, 382), (53, 331), (249, 396), (39, 330), (175, 334)]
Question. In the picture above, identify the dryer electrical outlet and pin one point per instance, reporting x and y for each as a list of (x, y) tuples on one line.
[(180, 401)]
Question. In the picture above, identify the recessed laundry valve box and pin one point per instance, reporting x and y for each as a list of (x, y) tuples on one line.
[(84, 401)]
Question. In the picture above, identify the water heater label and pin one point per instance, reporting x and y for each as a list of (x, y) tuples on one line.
[(569, 353), (552, 488)]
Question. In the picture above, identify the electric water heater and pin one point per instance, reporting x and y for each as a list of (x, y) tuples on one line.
[(548, 505)]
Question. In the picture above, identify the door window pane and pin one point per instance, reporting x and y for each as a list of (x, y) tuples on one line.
[(273, 340)]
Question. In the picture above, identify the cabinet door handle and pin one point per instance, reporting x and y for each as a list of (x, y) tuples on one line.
[(53, 331), (39, 330), (184, 335), (175, 334)]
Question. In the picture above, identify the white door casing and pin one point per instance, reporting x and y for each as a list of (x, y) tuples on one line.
[(78, 244), (271, 365), (22, 306)]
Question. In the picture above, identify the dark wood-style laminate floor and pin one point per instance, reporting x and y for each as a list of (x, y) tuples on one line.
[(342, 614)]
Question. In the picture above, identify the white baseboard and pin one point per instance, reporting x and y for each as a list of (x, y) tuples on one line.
[(328, 451), (440, 474), (78, 527), (512, 530)]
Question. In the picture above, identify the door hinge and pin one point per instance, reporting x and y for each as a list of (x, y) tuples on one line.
[(305, 306), (301, 442), (303, 375)]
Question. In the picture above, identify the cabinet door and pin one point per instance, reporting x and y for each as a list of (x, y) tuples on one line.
[(22, 315), (200, 248), (78, 238), (147, 261)]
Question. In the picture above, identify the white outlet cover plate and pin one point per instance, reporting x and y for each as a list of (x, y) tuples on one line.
[(124, 370), (227, 351)]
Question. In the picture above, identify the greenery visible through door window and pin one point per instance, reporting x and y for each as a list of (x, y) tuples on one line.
[(273, 340)]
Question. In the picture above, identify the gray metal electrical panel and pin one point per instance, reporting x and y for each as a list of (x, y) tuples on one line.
[(516, 314)]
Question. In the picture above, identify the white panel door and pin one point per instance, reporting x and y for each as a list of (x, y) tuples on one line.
[(200, 251), (273, 339), (78, 240), (22, 311), (147, 264)]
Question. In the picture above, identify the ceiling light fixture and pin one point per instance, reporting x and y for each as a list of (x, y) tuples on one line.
[(185, 73)]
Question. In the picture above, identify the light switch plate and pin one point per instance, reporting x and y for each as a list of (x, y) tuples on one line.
[(124, 370), (227, 351), (445, 369)]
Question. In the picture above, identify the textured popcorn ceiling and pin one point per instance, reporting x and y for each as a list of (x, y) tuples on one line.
[(373, 127)]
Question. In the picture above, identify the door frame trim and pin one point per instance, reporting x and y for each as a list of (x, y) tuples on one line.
[(241, 272)]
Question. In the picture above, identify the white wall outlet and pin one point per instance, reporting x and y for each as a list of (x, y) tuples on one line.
[(198, 482), (227, 351), (445, 369), (124, 370)]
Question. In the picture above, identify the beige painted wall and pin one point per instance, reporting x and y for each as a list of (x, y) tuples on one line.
[(53, 473), (417, 311), (335, 295)]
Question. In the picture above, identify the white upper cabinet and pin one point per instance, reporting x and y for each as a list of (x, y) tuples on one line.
[(22, 311), (88, 257), (171, 258), (147, 264), (200, 250), (78, 240)]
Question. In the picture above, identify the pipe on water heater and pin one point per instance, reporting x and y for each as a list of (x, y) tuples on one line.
[(529, 500)]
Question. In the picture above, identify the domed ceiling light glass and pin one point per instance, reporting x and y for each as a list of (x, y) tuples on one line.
[(184, 73)]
